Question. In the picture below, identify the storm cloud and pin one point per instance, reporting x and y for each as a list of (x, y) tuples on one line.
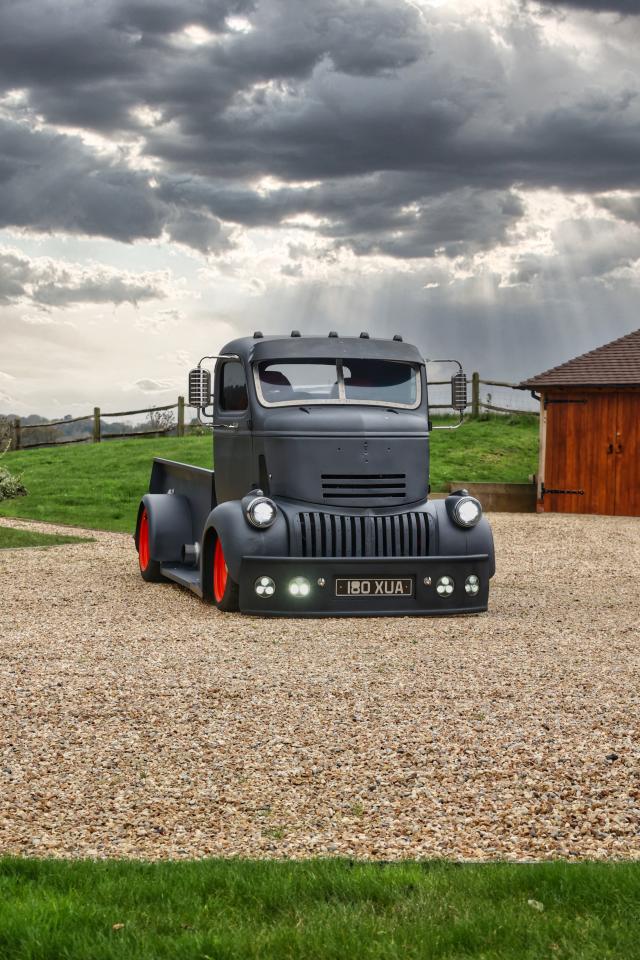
[(403, 133), (598, 6), (474, 160), (46, 283)]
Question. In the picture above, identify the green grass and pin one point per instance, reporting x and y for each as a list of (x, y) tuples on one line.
[(495, 450), (12, 539), (100, 485), (94, 485), (50, 910)]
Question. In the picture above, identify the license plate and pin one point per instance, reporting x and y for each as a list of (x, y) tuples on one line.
[(375, 587)]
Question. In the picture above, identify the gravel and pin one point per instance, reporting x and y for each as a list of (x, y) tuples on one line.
[(136, 721)]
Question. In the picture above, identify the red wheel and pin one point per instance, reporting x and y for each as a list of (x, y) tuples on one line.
[(220, 573), (143, 541), (225, 590), (149, 568)]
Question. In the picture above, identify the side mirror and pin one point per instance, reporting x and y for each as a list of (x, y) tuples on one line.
[(199, 388), (459, 391)]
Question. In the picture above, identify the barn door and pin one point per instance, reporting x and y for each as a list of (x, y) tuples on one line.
[(627, 455), (580, 458)]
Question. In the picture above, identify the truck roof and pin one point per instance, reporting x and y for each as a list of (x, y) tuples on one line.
[(254, 349)]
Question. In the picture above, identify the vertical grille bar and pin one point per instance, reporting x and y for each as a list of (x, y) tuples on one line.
[(316, 534)]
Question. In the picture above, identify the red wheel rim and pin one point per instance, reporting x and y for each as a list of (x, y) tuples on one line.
[(220, 572), (143, 541)]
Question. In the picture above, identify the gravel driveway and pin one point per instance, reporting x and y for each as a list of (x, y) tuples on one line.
[(136, 721)]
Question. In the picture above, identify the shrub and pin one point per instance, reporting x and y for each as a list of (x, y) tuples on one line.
[(10, 485)]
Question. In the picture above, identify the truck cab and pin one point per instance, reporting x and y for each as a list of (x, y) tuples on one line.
[(319, 501)]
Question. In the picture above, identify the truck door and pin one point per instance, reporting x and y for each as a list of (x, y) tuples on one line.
[(232, 443)]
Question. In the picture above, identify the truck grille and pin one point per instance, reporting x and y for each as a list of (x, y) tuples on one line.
[(341, 486), (332, 535)]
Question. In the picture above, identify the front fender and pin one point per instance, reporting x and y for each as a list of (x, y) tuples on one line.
[(453, 540), (239, 539)]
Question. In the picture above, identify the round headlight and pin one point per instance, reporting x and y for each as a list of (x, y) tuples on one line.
[(467, 511), (261, 512)]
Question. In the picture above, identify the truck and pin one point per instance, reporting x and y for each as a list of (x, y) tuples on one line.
[(319, 502)]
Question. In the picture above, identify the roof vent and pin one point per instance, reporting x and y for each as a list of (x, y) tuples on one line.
[(258, 335), (397, 338), (295, 333), (364, 335), (333, 333)]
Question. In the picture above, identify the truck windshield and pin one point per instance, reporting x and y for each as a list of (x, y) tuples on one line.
[(294, 382)]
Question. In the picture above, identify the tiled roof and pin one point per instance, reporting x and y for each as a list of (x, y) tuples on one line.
[(616, 363)]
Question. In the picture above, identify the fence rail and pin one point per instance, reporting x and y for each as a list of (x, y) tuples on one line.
[(98, 434)]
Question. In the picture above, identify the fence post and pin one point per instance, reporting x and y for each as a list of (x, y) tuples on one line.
[(17, 431), (475, 394), (180, 430), (96, 424)]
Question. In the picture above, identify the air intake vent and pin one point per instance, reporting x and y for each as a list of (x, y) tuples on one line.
[(360, 486), (331, 535)]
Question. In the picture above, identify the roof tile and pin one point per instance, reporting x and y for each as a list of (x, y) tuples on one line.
[(616, 363)]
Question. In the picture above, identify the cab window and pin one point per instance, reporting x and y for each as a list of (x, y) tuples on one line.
[(232, 389)]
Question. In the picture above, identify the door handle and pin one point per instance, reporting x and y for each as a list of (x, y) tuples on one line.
[(610, 448), (226, 426), (620, 448)]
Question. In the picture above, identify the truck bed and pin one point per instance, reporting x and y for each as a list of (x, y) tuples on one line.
[(197, 484)]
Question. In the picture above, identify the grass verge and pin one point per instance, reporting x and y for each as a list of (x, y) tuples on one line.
[(11, 539), (316, 909), (100, 485)]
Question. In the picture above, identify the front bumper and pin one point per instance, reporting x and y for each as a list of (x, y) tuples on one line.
[(323, 602)]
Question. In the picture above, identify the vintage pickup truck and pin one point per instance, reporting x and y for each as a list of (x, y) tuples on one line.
[(318, 505)]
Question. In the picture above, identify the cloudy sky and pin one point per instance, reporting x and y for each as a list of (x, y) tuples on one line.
[(465, 172)]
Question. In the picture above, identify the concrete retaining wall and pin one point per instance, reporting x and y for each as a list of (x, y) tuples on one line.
[(499, 497), (502, 497)]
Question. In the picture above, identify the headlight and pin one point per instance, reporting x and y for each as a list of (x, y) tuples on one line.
[(261, 512), (467, 511)]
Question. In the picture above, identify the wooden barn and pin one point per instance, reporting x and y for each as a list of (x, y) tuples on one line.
[(590, 431)]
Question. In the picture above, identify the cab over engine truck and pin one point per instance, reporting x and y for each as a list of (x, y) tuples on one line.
[(318, 505)]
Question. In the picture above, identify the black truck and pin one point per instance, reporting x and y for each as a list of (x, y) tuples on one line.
[(318, 505)]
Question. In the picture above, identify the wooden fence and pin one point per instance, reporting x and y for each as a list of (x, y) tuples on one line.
[(97, 433), (477, 405)]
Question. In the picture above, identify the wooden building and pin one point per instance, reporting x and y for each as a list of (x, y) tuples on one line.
[(590, 431)]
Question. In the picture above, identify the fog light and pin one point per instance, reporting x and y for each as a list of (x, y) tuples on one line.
[(264, 587), (472, 585), (299, 587), (445, 586)]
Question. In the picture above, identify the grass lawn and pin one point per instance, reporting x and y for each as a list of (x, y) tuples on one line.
[(94, 485), (85, 910), (100, 485), (26, 538)]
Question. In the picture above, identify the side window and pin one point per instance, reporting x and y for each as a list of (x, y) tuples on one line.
[(232, 395)]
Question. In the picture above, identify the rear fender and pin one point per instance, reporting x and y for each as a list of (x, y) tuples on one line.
[(170, 525), (239, 539)]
